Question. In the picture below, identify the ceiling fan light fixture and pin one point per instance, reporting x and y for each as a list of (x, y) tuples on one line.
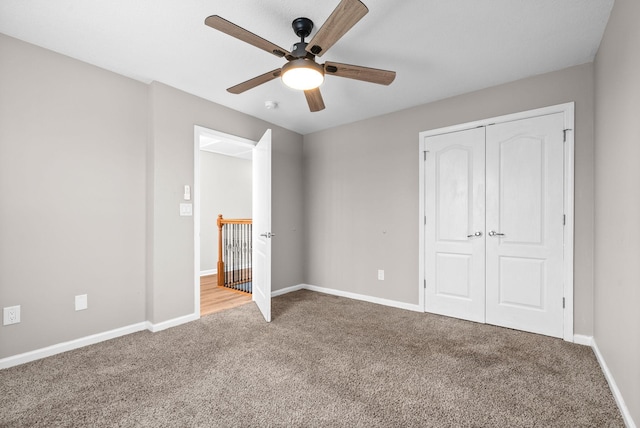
[(303, 74)]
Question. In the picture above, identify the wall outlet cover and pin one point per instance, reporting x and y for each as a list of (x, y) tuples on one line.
[(81, 302)]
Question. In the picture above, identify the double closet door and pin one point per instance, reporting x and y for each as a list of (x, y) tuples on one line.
[(494, 224)]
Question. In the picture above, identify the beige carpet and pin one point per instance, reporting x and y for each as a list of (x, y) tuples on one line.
[(324, 361)]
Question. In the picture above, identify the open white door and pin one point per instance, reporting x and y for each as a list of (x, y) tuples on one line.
[(262, 225)]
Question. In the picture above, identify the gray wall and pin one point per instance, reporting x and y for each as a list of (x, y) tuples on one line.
[(72, 192), (92, 169), (617, 226), (361, 188), (225, 188)]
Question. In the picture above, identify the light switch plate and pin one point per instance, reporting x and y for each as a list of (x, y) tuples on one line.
[(186, 210)]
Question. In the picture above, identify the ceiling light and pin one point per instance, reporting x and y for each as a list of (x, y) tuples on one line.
[(302, 74)]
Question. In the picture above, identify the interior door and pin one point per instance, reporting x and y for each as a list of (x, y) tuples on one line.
[(261, 211), (455, 221), (524, 221)]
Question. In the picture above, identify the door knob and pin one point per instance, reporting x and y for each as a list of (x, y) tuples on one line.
[(268, 234), (493, 233), (475, 234)]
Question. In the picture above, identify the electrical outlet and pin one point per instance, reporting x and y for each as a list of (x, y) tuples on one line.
[(380, 275), (11, 315)]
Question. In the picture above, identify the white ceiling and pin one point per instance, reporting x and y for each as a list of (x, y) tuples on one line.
[(225, 144), (439, 48)]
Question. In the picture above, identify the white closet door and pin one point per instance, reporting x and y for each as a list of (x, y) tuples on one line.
[(454, 208), (524, 224)]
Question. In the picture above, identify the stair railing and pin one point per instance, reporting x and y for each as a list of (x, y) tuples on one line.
[(234, 253)]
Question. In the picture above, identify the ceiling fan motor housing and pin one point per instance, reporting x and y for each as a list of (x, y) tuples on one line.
[(299, 51)]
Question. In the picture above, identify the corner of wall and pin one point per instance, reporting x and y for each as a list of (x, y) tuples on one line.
[(149, 226)]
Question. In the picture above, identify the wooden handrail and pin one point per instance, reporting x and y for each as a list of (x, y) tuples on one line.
[(221, 222)]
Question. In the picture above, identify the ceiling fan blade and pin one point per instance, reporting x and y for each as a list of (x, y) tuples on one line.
[(221, 24), (314, 99), (344, 16), (252, 83), (373, 75)]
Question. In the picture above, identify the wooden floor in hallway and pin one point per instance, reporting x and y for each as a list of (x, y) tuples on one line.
[(215, 299)]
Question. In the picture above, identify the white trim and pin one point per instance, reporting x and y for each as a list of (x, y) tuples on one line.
[(580, 339), (286, 290), (568, 109), (422, 146), (58, 348), (626, 415), (208, 272), (569, 178), (197, 131), (70, 345), (173, 322), (349, 295), (559, 108)]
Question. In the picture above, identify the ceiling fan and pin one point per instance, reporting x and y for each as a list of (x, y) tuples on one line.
[(301, 70)]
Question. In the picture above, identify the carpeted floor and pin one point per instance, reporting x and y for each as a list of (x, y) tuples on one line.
[(324, 361)]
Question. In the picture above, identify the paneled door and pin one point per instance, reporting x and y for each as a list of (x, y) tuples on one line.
[(261, 207), (494, 224), (455, 223), (524, 245)]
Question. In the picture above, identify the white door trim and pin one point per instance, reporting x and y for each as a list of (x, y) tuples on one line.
[(568, 109), (198, 132)]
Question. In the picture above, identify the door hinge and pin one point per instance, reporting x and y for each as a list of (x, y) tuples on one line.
[(425, 219), (564, 219), (563, 303), (425, 283), (564, 135), (425, 154)]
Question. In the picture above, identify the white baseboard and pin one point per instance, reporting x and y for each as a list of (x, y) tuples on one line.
[(58, 348), (287, 290), (624, 410), (581, 339), (171, 323), (208, 272), (347, 294)]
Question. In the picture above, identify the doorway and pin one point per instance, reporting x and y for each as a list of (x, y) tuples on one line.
[(225, 183), (497, 215)]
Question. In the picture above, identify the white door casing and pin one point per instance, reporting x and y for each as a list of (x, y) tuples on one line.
[(261, 212), (524, 276), (454, 206), (541, 278)]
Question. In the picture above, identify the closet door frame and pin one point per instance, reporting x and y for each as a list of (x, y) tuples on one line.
[(568, 110)]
